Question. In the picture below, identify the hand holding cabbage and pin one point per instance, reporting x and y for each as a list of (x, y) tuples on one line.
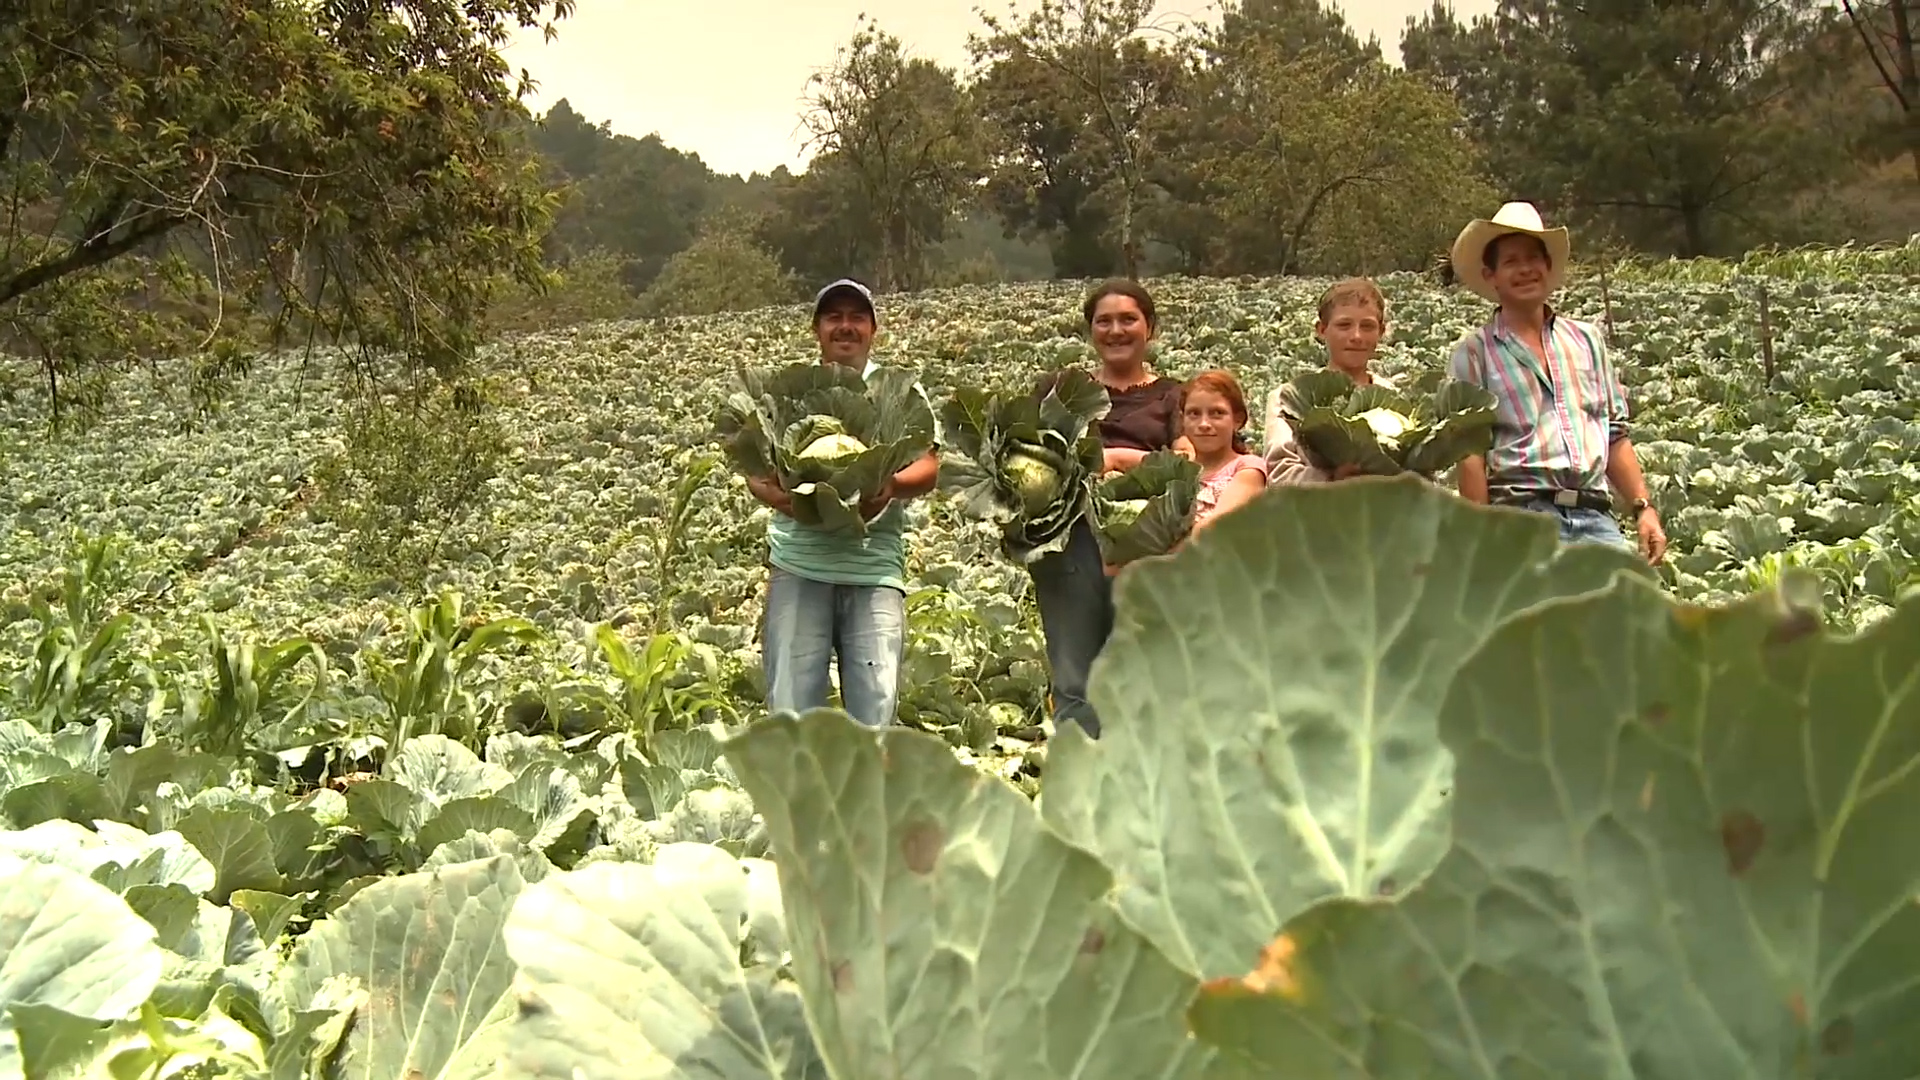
[(1342, 426), (828, 438)]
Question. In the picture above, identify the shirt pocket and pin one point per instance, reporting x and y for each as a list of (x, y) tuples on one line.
[(1592, 389)]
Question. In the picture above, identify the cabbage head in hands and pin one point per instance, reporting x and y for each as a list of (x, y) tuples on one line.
[(1147, 510), (1026, 463), (830, 437), (1384, 432)]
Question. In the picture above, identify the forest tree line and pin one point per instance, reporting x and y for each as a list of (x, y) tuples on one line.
[(1089, 137), (183, 186)]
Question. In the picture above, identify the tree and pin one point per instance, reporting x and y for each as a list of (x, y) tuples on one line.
[(353, 168), (1045, 173), (1886, 31), (903, 130), (1668, 118), (639, 198), (723, 270), (1328, 162), (1103, 76), (821, 223)]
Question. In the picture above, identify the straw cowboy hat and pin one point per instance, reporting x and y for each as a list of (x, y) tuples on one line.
[(1514, 217)]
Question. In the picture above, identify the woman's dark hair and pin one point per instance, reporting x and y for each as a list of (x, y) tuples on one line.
[(1133, 290)]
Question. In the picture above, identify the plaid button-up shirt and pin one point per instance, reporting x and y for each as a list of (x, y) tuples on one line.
[(1556, 421)]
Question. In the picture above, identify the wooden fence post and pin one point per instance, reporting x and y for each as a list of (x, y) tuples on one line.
[(1766, 337), (1606, 299)]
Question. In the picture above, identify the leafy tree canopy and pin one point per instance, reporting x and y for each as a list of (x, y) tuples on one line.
[(352, 170)]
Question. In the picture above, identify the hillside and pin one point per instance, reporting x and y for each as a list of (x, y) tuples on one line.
[(524, 818)]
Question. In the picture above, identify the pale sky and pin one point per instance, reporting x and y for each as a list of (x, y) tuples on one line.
[(725, 78)]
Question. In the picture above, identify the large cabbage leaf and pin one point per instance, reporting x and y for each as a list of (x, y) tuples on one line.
[(1026, 463), (1682, 848), (1145, 510), (831, 437), (670, 970), (1337, 423), (939, 929), (1269, 700)]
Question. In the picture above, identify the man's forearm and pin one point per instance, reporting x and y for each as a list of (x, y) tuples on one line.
[(1472, 479), (1623, 470), (918, 478)]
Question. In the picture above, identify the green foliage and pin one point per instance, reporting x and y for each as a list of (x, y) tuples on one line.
[(348, 169), (412, 465), (722, 271), (587, 288), (1664, 119), (904, 134)]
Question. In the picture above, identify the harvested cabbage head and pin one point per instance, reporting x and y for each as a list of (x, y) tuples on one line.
[(1146, 510), (1026, 459), (1382, 432), (831, 437)]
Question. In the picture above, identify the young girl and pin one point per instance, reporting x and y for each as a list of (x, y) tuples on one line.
[(1213, 413)]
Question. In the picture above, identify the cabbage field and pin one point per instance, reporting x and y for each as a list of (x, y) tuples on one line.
[(1390, 786)]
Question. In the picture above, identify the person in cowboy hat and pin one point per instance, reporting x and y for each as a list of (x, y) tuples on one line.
[(1561, 443), (829, 594)]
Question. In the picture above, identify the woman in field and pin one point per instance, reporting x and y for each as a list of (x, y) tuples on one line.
[(1351, 321), (1213, 416), (1073, 588)]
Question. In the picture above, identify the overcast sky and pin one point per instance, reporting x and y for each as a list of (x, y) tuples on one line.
[(724, 78)]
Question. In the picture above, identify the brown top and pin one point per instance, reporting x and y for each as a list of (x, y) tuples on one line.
[(1144, 417)]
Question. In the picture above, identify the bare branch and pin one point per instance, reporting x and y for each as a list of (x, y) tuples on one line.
[(1873, 52)]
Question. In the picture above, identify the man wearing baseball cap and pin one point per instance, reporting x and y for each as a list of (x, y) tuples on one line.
[(828, 594), (1561, 444)]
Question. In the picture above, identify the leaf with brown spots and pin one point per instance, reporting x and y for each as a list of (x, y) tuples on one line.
[(1741, 836), (426, 948), (1677, 853), (939, 928), (921, 844)]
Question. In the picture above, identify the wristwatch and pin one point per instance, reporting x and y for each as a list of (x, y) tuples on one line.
[(1640, 506)]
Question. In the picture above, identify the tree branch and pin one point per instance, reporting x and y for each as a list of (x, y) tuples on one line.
[(95, 250), (1886, 76)]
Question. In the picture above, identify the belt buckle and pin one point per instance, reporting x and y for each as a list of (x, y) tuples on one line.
[(1567, 499)]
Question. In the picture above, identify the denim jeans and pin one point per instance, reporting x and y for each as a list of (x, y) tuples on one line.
[(1076, 614), (810, 623), (1580, 525)]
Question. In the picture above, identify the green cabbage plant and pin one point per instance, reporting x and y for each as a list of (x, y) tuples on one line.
[(829, 436), (1382, 431), (1026, 463), (1146, 510)]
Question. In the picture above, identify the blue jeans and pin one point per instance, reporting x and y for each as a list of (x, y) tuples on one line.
[(1076, 614), (810, 623), (1580, 525)]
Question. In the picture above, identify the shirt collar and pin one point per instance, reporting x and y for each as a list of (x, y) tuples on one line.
[(1502, 331)]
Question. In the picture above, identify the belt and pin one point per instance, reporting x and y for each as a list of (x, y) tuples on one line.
[(1564, 498)]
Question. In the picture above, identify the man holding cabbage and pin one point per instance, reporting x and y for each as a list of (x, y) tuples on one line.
[(1561, 444), (836, 541)]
